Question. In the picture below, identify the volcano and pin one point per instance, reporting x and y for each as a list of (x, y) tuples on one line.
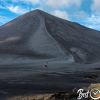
[(41, 52), (38, 35)]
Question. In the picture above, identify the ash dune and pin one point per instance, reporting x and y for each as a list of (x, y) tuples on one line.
[(37, 35)]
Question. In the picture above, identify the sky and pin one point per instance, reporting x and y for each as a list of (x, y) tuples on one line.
[(84, 12)]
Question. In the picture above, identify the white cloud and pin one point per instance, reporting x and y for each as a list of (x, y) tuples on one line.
[(53, 3), (96, 7), (93, 22), (17, 9), (32, 1), (61, 14), (61, 3), (27, 1)]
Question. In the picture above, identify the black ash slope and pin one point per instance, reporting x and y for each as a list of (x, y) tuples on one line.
[(38, 35)]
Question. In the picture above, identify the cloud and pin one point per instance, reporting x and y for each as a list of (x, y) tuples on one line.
[(19, 6), (61, 14), (52, 3), (61, 3), (31, 1), (17, 9), (27, 1), (93, 22), (96, 7)]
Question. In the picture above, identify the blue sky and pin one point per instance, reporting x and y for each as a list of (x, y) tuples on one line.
[(85, 12)]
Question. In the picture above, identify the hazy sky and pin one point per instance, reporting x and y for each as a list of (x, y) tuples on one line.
[(85, 12)]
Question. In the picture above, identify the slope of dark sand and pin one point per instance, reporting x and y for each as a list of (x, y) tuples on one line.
[(23, 79), (38, 35)]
